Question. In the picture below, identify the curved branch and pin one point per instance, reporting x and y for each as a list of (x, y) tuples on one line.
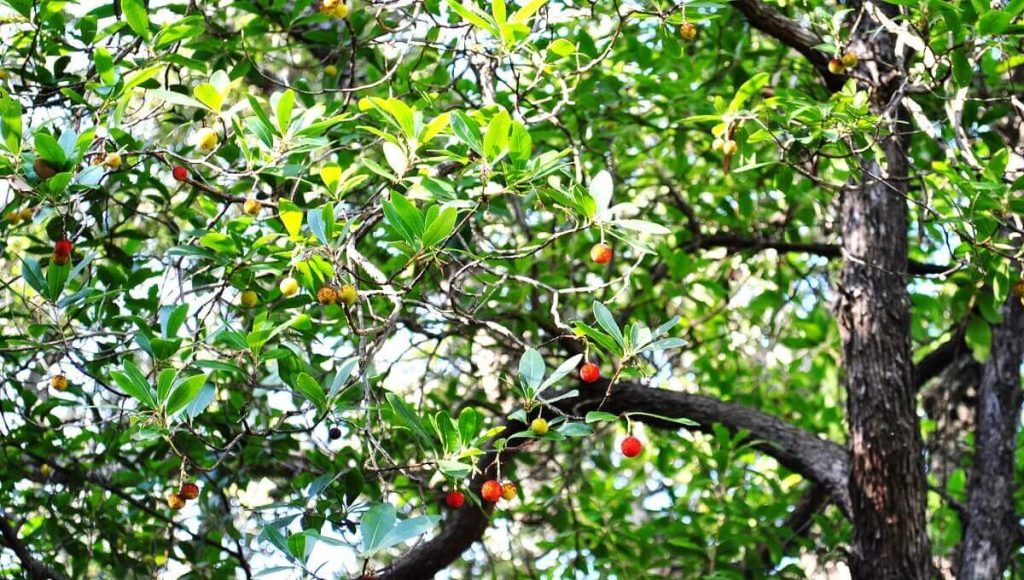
[(821, 461), (792, 34)]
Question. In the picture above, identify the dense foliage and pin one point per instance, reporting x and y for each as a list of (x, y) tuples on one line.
[(329, 262)]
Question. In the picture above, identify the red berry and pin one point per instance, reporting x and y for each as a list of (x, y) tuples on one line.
[(601, 253), (180, 173), (455, 500), (62, 248), (491, 490), (189, 491), (631, 446), (590, 372)]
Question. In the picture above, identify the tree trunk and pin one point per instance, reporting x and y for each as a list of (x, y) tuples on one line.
[(991, 528), (887, 477)]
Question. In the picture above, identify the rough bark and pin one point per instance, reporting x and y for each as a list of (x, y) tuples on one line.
[(887, 480), (991, 527)]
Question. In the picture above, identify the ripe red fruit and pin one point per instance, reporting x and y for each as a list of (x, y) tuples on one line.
[(601, 253), (491, 490), (631, 446), (180, 173), (590, 372), (455, 500), (63, 247), (189, 490)]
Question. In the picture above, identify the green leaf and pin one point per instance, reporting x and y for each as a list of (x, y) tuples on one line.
[(748, 89), (171, 319), (10, 124), (185, 391), (135, 13), (407, 530), (595, 416), (531, 369), (520, 145), (131, 384), (529, 9), (606, 342), (979, 337), (496, 138), (208, 95), (56, 279), (49, 150), (563, 369), (607, 322), (341, 377), (283, 110), (994, 22), (473, 15), (291, 217), (376, 523), (309, 388), (33, 275), (575, 430), (408, 419), (467, 131), (175, 98), (440, 228)]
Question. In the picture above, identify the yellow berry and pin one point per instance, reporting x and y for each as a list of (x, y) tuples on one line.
[(251, 207), (330, 70), (348, 294), (3, 74), (13, 216), (729, 147), (175, 501), (539, 426), (250, 299), (849, 60), (835, 66), (206, 139), (688, 31), (112, 160), (508, 491), (289, 287), (26, 214), (59, 382)]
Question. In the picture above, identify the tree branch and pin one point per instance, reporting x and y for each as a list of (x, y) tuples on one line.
[(991, 528), (792, 34), (36, 569)]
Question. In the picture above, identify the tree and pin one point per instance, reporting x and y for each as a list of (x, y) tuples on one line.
[(282, 280)]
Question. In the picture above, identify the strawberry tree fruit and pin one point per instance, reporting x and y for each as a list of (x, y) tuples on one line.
[(509, 491), (189, 490), (687, 31), (539, 426), (249, 299), (491, 490), (112, 161), (455, 499), (601, 253), (251, 207), (175, 501), (631, 446), (590, 372), (836, 67), (59, 382), (347, 294), (334, 433), (179, 173), (327, 296), (206, 139), (289, 287)]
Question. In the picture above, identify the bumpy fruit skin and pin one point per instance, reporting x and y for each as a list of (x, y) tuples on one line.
[(251, 207), (289, 287), (601, 253), (491, 490), (631, 446), (180, 173), (539, 426), (60, 259), (175, 501), (590, 372), (335, 8), (112, 160), (63, 247), (331, 70), (688, 31), (250, 299), (729, 147), (509, 491), (327, 296), (189, 490), (455, 499), (835, 66), (206, 139), (13, 216), (334, 433), (26, 214), (59, 382), (850, 60), (43, 169), (347, 294)]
